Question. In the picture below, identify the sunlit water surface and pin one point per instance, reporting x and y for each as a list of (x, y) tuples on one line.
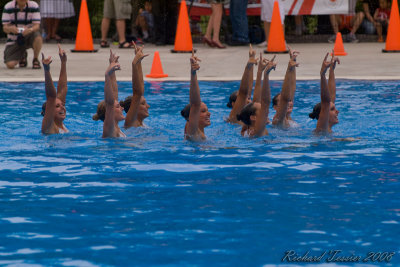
[(154, 199)]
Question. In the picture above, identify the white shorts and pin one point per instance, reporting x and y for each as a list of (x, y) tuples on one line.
[(266, 10)]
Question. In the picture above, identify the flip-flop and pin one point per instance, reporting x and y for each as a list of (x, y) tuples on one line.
[(36, 64), (122, 45), (104, 44), (23, 62)]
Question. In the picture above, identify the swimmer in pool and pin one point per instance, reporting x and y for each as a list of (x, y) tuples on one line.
[(284, 99), (255, 114), (109, 110), (196, 112), (53, 110), (246, 85), (325, 111), (135, 106)]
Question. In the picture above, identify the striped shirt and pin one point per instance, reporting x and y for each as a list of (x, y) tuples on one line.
[(28, 16)]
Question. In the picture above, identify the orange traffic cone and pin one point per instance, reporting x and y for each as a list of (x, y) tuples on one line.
[(339, 48), (84, 40), (183, 38), (276, 38), (156, 68), (393, 36)]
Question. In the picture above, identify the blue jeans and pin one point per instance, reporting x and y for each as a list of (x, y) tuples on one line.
[(240, 28)]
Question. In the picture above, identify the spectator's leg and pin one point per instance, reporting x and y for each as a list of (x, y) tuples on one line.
[(210, 25), (358, 18), (217, 16), (55, 28), (13, 55), (239, 21), (379, 31), (105, 25), (267, 26), (49, 28), (299, 24), (141, 21), (11, 64), (120, 24), (134, 16), (335, 20), (37, 46)]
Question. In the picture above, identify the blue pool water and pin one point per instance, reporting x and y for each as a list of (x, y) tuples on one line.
[(155, 199)]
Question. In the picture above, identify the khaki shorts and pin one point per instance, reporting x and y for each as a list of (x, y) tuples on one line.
[(117, 9), (14, 52)]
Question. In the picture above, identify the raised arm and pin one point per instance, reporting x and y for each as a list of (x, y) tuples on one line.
[(252, 54), (113, 78), (109, 121), (244, 89), (137, 87), (195, 100), (288, 88), (332, 80), (257, 87), (51, 96), (62, 86), (262, 118), (323, 121)]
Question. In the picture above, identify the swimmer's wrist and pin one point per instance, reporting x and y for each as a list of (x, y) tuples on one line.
[(193, 72), (46, 67)]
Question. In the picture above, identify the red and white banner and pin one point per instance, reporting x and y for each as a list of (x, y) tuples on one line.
[(292, 7), (316, 7)]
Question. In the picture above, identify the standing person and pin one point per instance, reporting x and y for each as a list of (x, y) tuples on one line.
[(214, 24), (165, 15), (53, 110), (240, 27), (52, 11), (21, 22), (120, 10), (267, 6)]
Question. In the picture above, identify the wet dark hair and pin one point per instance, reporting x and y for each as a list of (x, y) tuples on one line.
[(126, 104), (101, 112), (246, 112), (185, 112), (275, 99), (43, 109), (232, 98), (315, 113)]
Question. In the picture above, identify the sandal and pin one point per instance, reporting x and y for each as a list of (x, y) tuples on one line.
[(125, 45), (36, 64), (104, 44), (23, 62)]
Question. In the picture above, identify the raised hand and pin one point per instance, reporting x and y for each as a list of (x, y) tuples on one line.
[(113, 57), (194, 63), (138, 54), (334, 60), (46, 62), (62, 54), (114, 66), (252, 56), (293, 57), (325, 64), (263, 62), (271, 65)]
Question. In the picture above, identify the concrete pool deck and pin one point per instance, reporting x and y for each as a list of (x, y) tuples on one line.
[(364, 61)]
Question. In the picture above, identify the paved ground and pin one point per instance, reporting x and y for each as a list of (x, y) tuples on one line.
[(364, 61)]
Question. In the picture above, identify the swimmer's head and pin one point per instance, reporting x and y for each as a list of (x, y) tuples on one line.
[(204, 119), (232, 99), (315, 113), (60, 111), (249, 113), (101, 112), (275, 104), (143, 111), (333, 113)]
